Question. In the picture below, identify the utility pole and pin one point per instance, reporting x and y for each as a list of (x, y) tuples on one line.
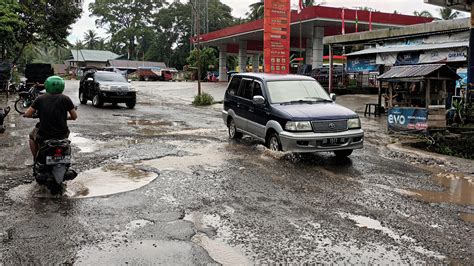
[(195, 7)]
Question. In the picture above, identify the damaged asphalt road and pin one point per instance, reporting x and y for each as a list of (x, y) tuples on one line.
[(162, 184)]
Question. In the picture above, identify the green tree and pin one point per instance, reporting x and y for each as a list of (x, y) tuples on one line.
[(125, 19), (424, 13), (91, 39), (209, 60), (10, 23), (256, 11), (448, 14), (41, 20)]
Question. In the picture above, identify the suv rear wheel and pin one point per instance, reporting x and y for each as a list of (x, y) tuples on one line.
[(273, 142), (96, 101), (233, 133), (343, 153)]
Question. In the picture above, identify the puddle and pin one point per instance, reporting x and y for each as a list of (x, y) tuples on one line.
[(107, 180), (216, 247), (200, 154), (366, 222), (155, 123), (143, 252), (467, 217), (85, 145), (459, 190)]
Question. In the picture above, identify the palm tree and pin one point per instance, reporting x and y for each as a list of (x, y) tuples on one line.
[(447, 13), (424, 13), (256, 11), (91, 39)]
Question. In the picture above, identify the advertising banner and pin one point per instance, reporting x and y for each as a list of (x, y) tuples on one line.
[(361, 64), (408, 120), (276, 36), (444, 56)]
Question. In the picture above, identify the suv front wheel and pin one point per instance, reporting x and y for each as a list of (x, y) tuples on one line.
[(96, 101), (81, 98), (273, 142), (131, 103)]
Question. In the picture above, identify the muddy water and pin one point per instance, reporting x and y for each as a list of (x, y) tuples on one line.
[(216, 247), (84, 144), (108, 180), (459, 189)]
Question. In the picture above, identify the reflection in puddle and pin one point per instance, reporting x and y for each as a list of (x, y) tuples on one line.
[(200, 154), (108, 180), (84, 144), (467, 217), (459, 190), (216, 247)]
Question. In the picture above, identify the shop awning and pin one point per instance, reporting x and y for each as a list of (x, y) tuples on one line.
[(418, 72), (410, 48)]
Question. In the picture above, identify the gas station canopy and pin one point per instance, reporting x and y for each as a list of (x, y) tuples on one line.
[(461, 5)]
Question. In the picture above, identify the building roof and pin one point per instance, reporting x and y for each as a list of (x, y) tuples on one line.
[(442, 26), (84, 55), (134, 64), (414, 72), (323, 16), (462, 5), (409, 48)]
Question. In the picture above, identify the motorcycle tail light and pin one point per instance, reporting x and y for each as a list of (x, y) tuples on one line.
[(58, 152)]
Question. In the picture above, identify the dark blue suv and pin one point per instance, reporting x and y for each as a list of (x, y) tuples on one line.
[(290, 113)]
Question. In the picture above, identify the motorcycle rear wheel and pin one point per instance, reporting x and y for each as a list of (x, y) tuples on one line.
[(21, 105), (55, 188)]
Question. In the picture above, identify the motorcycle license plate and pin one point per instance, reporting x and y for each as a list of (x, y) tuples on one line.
[(51, 160)]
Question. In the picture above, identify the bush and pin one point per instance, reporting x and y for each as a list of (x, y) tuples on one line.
[(203, 99)]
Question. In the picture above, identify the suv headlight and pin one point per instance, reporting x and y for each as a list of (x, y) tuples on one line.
[(298, 126), (353, 123)]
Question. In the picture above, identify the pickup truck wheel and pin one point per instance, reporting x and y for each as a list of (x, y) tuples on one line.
[(96, 101), (273, 142), (81, 98), (343, 153), (233, 133)]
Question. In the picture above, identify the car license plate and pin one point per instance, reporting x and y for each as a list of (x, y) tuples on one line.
[(51, 160), (334, 141)]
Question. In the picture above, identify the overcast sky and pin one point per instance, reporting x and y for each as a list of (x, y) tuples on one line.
[(240, 7)]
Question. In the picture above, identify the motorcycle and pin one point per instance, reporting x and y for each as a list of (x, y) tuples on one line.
[(3, 113), (26, 99), (52, 165)]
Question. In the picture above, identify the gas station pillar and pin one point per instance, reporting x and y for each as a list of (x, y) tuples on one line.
[(223, 62), (318, 47), (242, 56), (255, 62)]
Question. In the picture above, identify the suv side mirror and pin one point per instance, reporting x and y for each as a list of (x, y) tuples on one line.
[(89, 79), (258, 100), (333, 96)]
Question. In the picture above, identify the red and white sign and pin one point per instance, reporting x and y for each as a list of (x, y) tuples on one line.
[(276, 36)]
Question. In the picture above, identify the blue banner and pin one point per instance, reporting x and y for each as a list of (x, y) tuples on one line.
[(408, 120), (361, 64)]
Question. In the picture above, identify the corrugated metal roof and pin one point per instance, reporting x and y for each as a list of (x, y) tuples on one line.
[(84, 55), (408, 48), (135, 64), (412, 71)]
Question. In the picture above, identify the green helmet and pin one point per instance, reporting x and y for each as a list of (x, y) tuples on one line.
[(54, 84)]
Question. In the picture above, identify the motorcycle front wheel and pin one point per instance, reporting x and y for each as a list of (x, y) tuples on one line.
[(21, 105)]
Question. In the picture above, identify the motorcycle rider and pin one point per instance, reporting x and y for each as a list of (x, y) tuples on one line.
[(53, 109)]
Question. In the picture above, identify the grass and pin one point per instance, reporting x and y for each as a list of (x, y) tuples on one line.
[(204, 99)]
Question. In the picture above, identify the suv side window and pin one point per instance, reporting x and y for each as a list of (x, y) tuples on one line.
[(234, 86), (245, 90), (257, 89)]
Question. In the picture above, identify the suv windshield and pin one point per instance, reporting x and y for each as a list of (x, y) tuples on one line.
[(109, 77), (286, 91)]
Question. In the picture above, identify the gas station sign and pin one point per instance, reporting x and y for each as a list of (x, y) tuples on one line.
[(276, 37)]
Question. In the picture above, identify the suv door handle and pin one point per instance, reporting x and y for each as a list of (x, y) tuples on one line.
[(251, 109), (238, 104)]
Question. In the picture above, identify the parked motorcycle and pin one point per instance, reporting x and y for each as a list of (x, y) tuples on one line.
[(52, 165), (3, 113), (26, 99)]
